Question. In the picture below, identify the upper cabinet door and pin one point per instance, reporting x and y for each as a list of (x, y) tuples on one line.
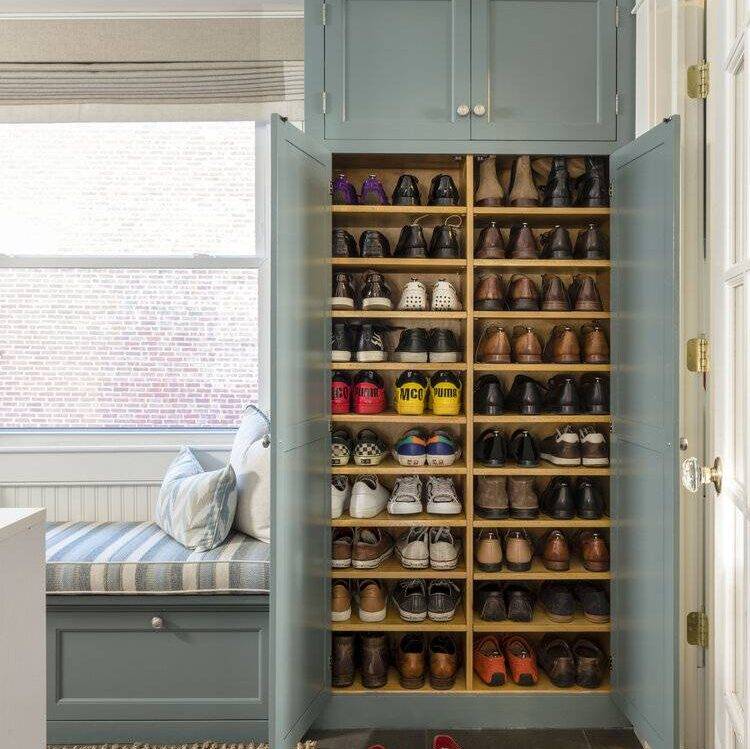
[(544, 70), (397, 69)]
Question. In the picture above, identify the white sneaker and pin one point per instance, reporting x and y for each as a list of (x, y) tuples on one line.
[(442, 498), (413, 296), (445, 297), (445, 549), (369, 497), (412, 549), (406, 497), (341, 491)]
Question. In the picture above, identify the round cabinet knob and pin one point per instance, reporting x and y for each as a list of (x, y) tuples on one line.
[(462, 110), (157, 623), (480, 110)]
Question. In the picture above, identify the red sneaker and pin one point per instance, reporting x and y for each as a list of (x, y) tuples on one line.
[(341, 393), (443, 741), (369, 393)]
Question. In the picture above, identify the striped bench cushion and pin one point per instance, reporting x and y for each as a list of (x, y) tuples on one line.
[(139, 558)]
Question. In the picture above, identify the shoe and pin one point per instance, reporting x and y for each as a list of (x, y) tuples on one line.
[(522, 295), (411, 449), (373, 243), (442, 346), (443, 191), (554, 295), (519, 602), (343, 244), (444, 244), (411, 242), (371, 547), (369, 448), (373, 192), (370, 346), (411, 661), (412, 346), (491, 448), (558, 192), (490, 244), (342, 292), (490, 602), (406, 191), (342, 341), (557, 600), (341, 492), (489, 661), (489, 294), (593, 186), (593, 600), (410, 393), (413, 296), (562, 395), (522, 243), (444, 398), (556, 552), (591, 244), (341, 446), (526, 345), (489, 395), (522, 497), (594, 447), (342, 659), (519, 551), (558, 501), (520, 660), (413, 549), (556, 244), (410, 599), (523, 190), (368, 395), (376, 293), (341, 548), (493, 346), (489, 192), (374, 663), (557, 661), (595, 393), (584, 294), (594, 551), (591, 663), (441, 496), (563, 346), (525, 396), (523, 449), (563, 448), (341, 392), (443, 741), (369, 497), (488, 551), (491, 497), (341, 601), (443, 597), (444, 297), (589, 503), (442, 448), (594, 345), (372, 601), (443, 662), (445, 549), (343, 192), (406, 497)]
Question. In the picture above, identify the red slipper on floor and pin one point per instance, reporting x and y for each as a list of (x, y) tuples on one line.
[(376, 746), (443, 741)]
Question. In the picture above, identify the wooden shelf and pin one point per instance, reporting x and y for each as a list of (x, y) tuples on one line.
[(543, 419), (398, 314), (400, 264), (539, 572), (391, 417), (541, 264), (544, 216), (384, 520), (543, 686), (542, 315), (391, 569), (389, 467), (394, 366), (547, 469), (405, 210), (531, 368), (541, 623), (394, 687), (540, 522), (394, 623)]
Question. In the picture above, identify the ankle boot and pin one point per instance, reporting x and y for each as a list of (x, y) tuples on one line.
[(444, 243), (443, 191), (563, 346), (594, 344), (557, 191), (490, 191), (406, 191), (593, 189), (556, 244), (489, 294), (490, 245), (493, 346), (523, 191), (411, 242), (584, 294), (522, 243), (554, 296), (527, 348), (592, 244)]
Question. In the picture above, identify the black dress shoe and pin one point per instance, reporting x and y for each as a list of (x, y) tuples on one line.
[(488, 395), (588, 499), (557, 661), (490, 603), (519, 603), (524, 448), (343, 244), (593, 187), (412, 346), (594, 601), (591, 244), (556, 244), (558, 191), (411, 242), (444, 243), (406, 191), (558, 500), (443, 191), (558, 601), (491, 448), (525, 396), (595, 393), (374, 244), (342, 341), (562, 395)]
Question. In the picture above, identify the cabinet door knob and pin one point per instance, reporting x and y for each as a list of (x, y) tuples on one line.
[(462, 110), (480, 110), (157, 623)]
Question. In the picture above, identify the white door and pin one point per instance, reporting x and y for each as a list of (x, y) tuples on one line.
[(728, 194)]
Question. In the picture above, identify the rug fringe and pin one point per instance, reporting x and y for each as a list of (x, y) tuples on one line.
[(204, 745)]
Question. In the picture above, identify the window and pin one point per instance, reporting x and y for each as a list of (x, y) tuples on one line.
[(131, 297)]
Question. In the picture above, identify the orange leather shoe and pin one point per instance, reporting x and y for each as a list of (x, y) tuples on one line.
[(489, 661), (521, 661)]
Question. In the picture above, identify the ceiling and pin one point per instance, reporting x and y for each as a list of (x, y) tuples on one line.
[(149, 8)]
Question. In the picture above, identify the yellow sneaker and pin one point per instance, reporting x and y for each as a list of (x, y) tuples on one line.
[(445, 393), (410, 393)]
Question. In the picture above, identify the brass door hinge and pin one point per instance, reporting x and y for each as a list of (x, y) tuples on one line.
[(698, 354), (697, 80), (324, 102), (324, 14), (697, 629)]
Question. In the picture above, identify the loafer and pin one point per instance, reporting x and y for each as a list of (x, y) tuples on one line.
[(594, 601), (558, 499), (490, 602), (489, 395), (524, 449), (557, 661), (590, 663), (589, 503), (562, 395), (520, 659), (519, 603), (491, 447), (558, 601), (489, 661), (525, 396)]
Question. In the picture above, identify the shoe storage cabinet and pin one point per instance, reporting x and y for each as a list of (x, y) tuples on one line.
[(467, 324)]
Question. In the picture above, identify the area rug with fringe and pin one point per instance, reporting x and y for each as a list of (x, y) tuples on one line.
[(204, 745)]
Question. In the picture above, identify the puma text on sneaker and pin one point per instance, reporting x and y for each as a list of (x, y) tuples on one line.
[(369, 497), (445, 393), (442, 498), (368, 395), (406, 497), (410, 393), (411, 449)]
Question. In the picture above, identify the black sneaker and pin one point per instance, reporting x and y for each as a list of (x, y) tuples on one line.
[(342, 341), (370, 345), (376, 293), (373, 244), (411, 242), (343, 244), (443, 346), (342, 292), (412, 346)]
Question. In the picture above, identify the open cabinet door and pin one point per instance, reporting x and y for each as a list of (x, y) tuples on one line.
[(299, 173), (645, 439)]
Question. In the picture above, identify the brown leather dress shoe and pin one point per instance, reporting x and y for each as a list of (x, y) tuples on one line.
[(562, 346), (556, 244), (411, 661), (523, 191), (556, 552), (591, 663), (489, 294), (519, 550), (489, 191), (522, 243), (490, 244), (584, 294), (554, 296), (374, 660), (523, 294), (488, 551), (527, 347), (594, 344), (591, 244), (443, 662), (594, 551), (493, 346)]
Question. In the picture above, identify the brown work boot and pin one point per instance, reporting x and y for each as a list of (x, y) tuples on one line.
[(488, 551), (556, 552), (491, 497), (522, 243), (523, 294), (527, 347), (519, 551), (374, 660), (489, 192), (594, 344), (489, 294), (522, 497), (443, 662), (523, 191), (584, 294), (490, 244), (594, 551), (554, 296), (493, 346), (342, 659), (411, 659), (562, 346)]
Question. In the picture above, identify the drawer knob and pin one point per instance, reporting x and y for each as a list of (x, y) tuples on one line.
[(480, 110), (157, 623), (462, 110)]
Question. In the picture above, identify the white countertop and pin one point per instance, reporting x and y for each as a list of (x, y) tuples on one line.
[(15, 519)]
